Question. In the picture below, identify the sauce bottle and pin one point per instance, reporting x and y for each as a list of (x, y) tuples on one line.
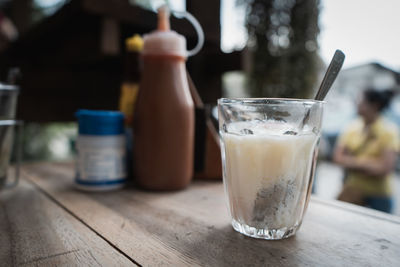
[(164, 113)]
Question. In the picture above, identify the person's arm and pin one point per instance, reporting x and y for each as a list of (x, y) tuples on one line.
[(343, 158), (374, 167), (380, 166)]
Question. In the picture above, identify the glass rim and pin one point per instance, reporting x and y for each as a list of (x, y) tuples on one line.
[(10, 122), (9, 87), (262, 100)]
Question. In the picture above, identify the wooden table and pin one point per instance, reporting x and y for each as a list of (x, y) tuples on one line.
[(46, 222)]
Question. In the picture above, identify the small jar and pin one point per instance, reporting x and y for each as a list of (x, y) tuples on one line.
[(101, 150)]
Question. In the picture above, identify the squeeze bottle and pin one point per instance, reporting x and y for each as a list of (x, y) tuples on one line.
[(164, 112)]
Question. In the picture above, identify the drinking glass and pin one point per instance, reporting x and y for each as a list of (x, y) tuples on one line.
[(8, 130), (8, 101), (269, 150)]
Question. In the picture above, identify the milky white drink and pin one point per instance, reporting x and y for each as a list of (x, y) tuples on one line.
[(268, 170)]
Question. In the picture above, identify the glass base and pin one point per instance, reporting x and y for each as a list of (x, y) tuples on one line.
[(268, 234)]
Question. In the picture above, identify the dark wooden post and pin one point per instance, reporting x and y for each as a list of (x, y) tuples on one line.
[(21, 14), (207, 78)]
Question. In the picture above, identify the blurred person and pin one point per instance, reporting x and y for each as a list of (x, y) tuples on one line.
[(367, 150)]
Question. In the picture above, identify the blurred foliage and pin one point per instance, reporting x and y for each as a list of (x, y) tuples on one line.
[(44, 8), (146, 4), (51, 141), (150, 4), (283, 47)]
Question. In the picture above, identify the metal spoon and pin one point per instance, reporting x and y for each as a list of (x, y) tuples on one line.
[(326, 84), (330, 75)]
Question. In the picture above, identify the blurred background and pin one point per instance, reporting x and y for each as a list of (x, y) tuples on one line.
[(70, 53)]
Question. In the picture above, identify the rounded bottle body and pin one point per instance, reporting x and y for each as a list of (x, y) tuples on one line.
[(164, 125)]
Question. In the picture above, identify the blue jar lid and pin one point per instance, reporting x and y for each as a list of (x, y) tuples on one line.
[(100, 122)]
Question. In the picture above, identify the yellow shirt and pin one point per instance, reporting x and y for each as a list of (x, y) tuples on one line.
[(382, 136)]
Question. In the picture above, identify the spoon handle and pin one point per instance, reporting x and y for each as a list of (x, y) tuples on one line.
[(330, 75)]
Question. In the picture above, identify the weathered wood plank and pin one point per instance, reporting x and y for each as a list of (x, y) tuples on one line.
[(34, 231), (191, 227)]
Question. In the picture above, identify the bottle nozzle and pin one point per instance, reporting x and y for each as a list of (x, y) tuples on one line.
[(163, 18)]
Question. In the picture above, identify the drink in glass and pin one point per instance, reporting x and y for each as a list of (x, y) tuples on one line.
[(269, 149)]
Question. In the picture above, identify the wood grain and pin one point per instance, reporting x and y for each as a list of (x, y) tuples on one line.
[(34, 231), (192, 227)]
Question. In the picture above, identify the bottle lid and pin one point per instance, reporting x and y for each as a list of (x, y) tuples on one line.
[(163, 41), (134, 43), (100, 122)]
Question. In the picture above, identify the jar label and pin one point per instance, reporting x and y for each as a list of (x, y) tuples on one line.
[(101, 166)]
